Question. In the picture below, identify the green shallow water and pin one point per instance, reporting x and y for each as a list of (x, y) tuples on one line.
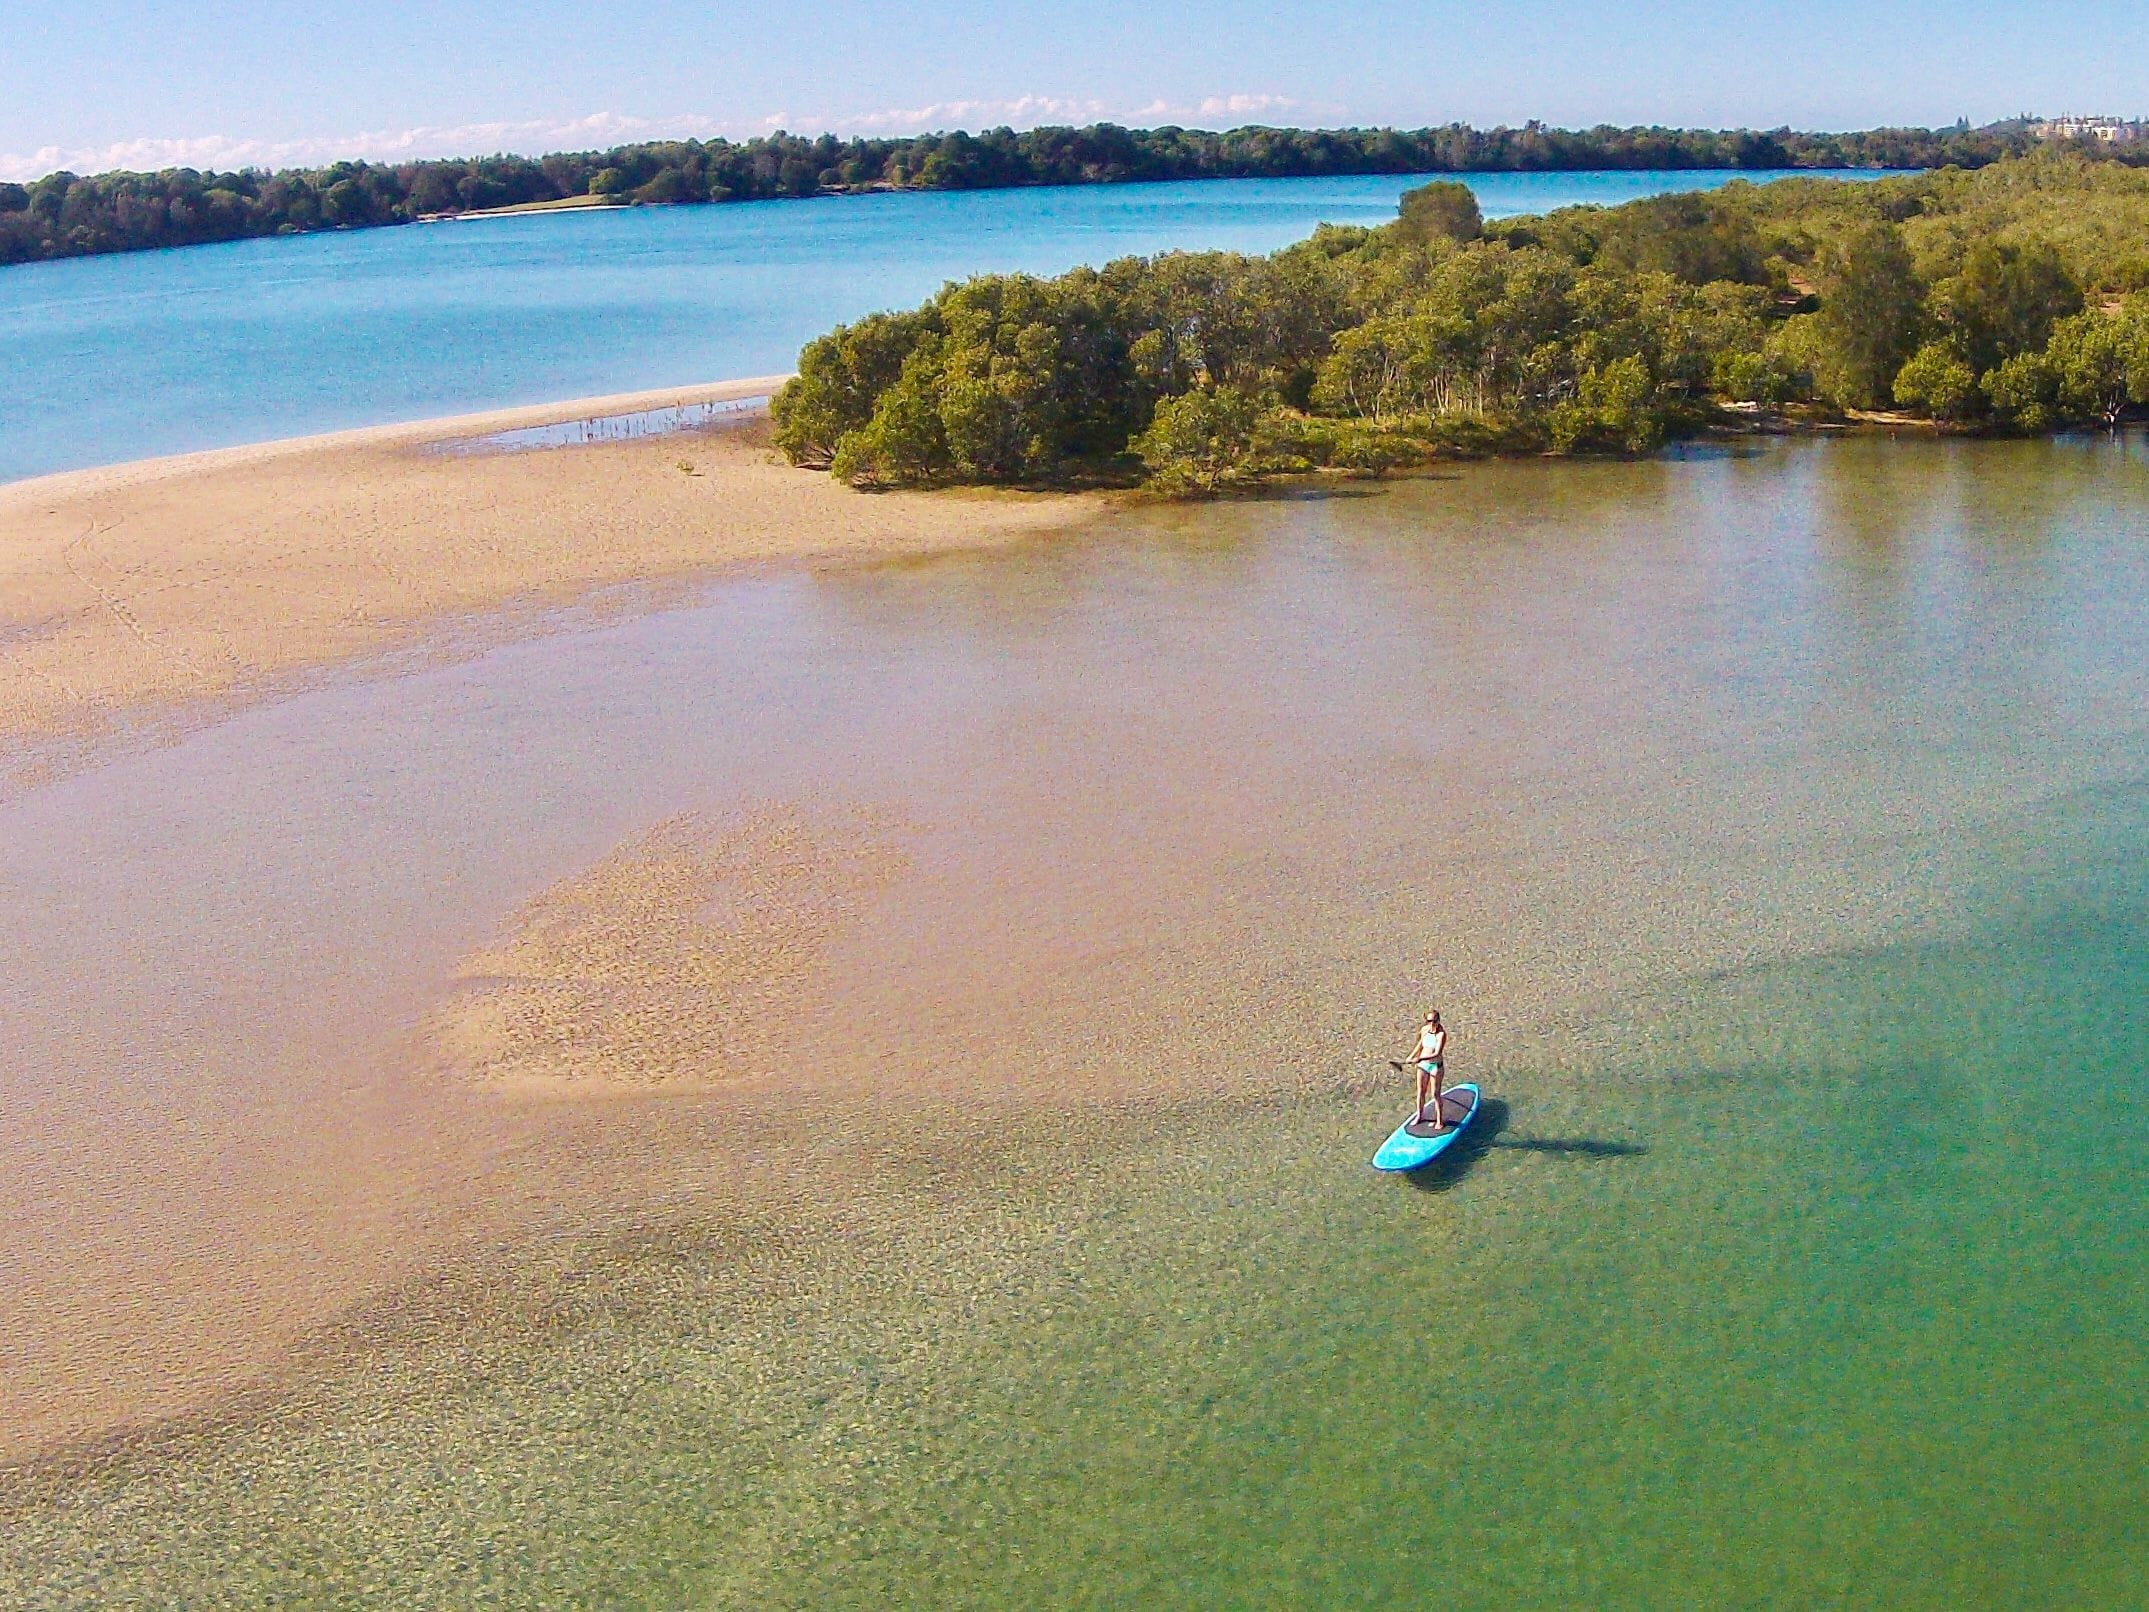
[(1813, 1275), (1860, 1330), (1746, 1325)]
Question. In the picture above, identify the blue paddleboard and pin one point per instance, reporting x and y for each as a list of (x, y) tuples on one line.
[(1414, 1145)]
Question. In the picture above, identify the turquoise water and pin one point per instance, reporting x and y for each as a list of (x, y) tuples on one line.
[(114, 358), (1774, 825)]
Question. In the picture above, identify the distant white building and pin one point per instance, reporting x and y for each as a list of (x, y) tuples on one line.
[(2109, 131)]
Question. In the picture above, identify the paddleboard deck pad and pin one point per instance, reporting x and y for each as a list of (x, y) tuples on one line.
[(1414, 1146)]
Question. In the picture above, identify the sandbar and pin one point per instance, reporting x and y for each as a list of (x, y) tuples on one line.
[(145, 590)]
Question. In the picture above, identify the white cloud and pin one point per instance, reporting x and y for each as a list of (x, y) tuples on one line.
[(1233, 108), (600, 129), (1241, 106), (1023, 111), (381, 145)]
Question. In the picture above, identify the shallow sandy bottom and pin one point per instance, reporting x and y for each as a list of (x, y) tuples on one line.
[(854, 1089)]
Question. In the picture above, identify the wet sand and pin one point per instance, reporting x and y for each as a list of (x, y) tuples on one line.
[(149, 591)]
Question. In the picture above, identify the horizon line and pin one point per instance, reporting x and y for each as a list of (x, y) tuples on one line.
[(610, 132)]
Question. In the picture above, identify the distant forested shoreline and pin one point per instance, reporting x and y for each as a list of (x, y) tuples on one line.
[(69, 215), (2013, 298)]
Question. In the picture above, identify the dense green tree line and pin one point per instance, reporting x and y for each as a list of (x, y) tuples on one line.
[(67, 215), (2012, 297)]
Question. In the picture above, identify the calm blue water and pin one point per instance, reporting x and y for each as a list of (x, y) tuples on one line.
[(114, 358)]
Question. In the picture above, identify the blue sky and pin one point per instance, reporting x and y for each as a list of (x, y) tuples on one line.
[(91, 84)]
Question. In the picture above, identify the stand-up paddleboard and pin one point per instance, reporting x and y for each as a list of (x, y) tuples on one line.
[(1414, 1145)]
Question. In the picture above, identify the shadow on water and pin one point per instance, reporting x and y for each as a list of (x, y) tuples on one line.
[(1490, 1131), (1714, 448), (1317, 492), (1586, 1147)]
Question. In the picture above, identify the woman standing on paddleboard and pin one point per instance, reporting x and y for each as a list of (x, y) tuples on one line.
[(1432, 1063)]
